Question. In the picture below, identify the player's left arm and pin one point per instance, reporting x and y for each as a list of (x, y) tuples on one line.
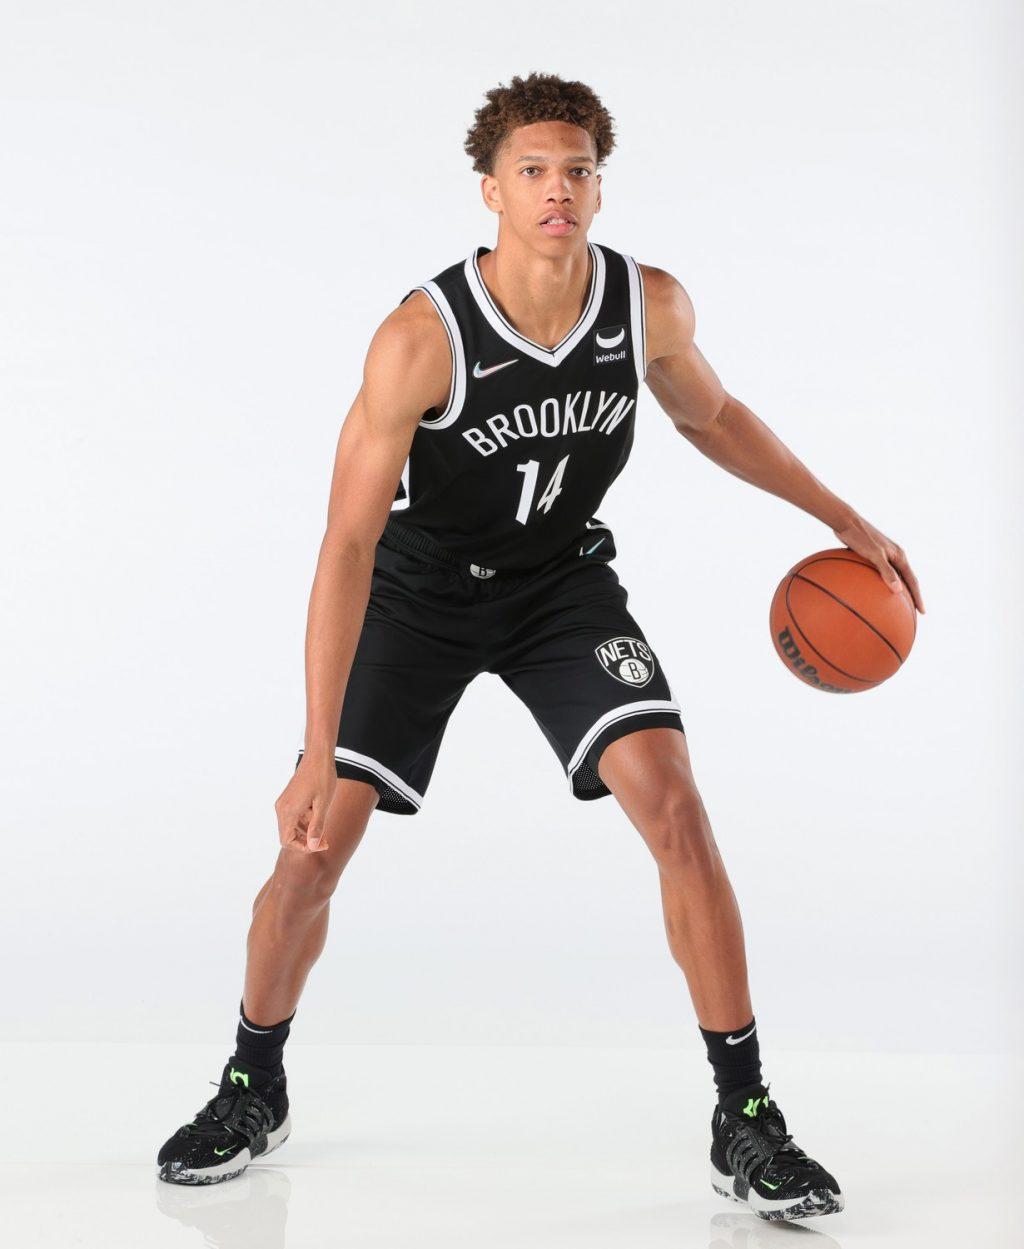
[(727, 432)]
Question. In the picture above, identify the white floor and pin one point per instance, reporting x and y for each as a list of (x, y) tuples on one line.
[(410, 1148)]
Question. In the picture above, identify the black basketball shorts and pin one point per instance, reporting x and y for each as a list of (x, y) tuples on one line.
[(559, 636)]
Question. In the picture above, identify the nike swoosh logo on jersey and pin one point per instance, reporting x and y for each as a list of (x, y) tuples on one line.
[(479, 372), (735, 1040), (613, 341)]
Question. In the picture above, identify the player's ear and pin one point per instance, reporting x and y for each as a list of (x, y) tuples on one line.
[(597, 206), (491, 194)]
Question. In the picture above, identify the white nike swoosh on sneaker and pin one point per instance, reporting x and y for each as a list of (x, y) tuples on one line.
[(735, 1040), (479, 372)]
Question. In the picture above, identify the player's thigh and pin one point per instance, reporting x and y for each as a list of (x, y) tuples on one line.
[(347, 819), (649, 774)]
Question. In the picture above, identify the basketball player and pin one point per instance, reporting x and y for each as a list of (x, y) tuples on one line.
[(496, 408)]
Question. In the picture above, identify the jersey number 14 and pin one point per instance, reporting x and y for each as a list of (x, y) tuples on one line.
[(551, 491)]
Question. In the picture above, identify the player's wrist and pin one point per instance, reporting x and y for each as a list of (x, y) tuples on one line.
[(318, 750), (839, 516)]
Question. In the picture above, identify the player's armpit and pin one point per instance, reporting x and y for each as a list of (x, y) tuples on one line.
[(407, 372), (679, 377)]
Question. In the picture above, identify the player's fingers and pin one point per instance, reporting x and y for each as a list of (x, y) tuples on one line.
[(886, 571), (902, 563), (288, 825), (315, 828)]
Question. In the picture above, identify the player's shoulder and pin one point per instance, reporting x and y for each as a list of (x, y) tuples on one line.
[(409, 356), (668, 310), (664, 289), (411, 338)]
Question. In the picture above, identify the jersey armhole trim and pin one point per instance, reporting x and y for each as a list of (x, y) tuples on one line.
[(637, 317), (457, 392)]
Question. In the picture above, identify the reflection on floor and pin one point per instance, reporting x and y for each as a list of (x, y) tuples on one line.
[(488, 1148)]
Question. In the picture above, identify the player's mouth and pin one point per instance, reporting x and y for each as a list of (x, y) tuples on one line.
[(558, 224)]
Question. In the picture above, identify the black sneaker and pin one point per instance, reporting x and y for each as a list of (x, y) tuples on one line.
[(754, 1161), (247, 1118)]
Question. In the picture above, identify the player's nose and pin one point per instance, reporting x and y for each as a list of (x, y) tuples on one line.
[(559, 191)]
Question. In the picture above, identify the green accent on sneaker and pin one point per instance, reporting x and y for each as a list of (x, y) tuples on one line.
[(243, 1077), (766, 1183), (750, 1109), (221, 1152)]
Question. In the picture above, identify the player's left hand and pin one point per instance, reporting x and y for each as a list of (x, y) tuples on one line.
[(890, 560)]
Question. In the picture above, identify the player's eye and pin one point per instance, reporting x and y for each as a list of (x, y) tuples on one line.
[(581, 169), (528, 169)]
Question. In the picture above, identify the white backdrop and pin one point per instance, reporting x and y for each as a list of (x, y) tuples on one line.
[(208, 208)]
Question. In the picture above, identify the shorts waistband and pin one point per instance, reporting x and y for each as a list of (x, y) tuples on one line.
[(397, 534), (409, 539)]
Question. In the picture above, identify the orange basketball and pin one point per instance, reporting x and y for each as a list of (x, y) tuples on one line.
[(838, 626)]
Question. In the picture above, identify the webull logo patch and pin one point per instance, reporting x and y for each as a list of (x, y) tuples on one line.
[(802, 667), (610, 344), (627, 660)]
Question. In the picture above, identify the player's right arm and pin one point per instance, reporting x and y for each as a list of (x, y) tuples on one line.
[(407, 371)]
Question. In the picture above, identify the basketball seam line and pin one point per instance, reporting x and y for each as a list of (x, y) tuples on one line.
[(821, 655), (841, 559), (797, 575)]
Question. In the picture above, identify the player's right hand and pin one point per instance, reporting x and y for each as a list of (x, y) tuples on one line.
[(303, 805)]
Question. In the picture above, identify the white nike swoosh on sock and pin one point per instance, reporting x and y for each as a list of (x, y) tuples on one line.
[(261, 1031), (735, 1040)]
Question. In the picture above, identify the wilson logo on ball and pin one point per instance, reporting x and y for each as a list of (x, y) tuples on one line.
[(789, 650), (627, 660)]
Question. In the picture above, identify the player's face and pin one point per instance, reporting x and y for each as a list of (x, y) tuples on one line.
[(545, 185)]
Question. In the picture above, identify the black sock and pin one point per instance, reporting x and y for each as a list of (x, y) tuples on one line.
[(259, 1046), (735, 1057)]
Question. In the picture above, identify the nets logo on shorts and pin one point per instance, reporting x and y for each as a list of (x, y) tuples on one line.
[(627, 660)]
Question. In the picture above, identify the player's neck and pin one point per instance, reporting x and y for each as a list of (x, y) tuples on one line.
[(541, 296)]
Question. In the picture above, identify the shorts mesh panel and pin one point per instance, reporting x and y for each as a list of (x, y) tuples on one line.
[(392, 801), (586, 783)]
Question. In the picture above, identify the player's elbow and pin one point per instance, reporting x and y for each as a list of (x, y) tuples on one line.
[(345, 544)]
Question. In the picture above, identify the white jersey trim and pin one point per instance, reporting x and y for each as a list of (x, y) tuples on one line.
[(546, 355), (380, 771), (637, 317), (457, 392), (400, 505), (613, 717)]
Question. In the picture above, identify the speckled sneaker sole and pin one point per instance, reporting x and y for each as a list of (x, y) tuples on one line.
[(178, 1173), (812, 1204)]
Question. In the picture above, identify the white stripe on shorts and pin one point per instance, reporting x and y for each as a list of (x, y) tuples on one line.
[(613, 717)]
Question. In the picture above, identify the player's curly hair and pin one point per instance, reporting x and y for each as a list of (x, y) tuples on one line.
[(538, 97)]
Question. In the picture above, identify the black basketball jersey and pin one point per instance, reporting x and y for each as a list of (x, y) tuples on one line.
[(509, 473)]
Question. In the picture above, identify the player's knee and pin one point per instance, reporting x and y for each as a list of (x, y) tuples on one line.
[(678, 833), (304, 881)]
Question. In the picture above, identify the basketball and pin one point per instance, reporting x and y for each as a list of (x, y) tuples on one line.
[(836, 624)]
